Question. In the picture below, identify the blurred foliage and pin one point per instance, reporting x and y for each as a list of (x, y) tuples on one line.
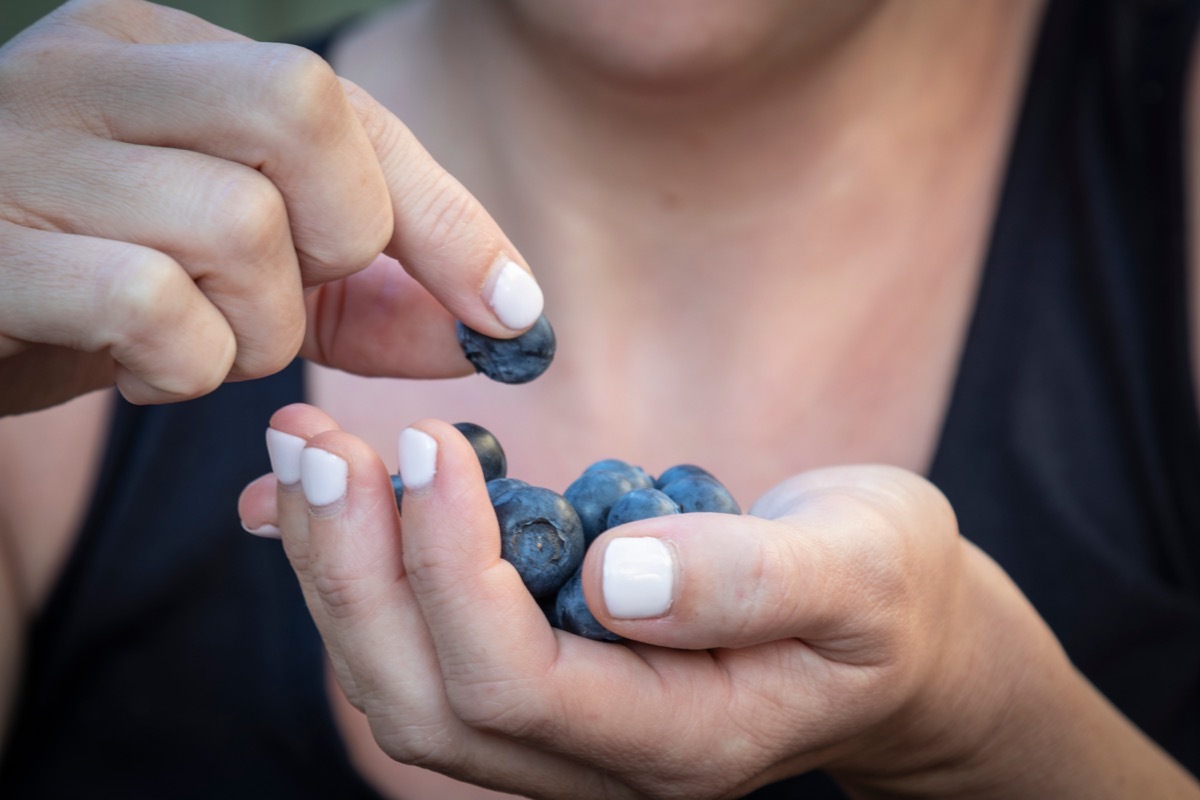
[(271, 20)]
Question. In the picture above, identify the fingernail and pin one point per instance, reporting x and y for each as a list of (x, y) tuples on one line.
[(515, 296), (639, 576), (418, 458), (323, 476), (266, 531), (284, 450)]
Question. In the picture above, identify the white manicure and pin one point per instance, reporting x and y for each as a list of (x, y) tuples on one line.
[(284, 450), (266, 531), (639, 576), (323, 475), (418, 458), (516, 297)]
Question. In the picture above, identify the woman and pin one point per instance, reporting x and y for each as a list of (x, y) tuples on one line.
[(771, 237)]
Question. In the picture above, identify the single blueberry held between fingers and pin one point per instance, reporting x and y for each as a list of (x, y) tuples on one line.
[(541, 536), (641, 504), (499, 487), (679, 471), (397, 489), (571, 612), (700, 493), (487, 449), (518, 360), (592, 494), (637, 476)]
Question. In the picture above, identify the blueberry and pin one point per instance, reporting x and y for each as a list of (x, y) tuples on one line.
[(698, 493), (679, 471), (397, 489), (641, 504), (592, 495), (518, 360), (487, 449), (541, 536), (572, 614), (499, 487), (636, 475)]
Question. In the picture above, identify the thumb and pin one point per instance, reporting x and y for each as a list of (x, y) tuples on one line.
[(848, 553)]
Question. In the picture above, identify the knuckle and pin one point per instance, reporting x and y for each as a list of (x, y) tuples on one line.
[(143, 309), (250, 217), (501, 707), (907, 533), (22, 60), (770, 584), (342, 598), (140, 293), (422, 744), (276, 351), (301, 93)]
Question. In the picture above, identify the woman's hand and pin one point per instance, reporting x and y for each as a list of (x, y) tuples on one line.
[(180, 206), (844, 624)]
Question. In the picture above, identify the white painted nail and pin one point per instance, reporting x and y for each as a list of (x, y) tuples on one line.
[(284, 450), (515, 296), (266, 531), (639, 578), (323, 475), (418, 458)]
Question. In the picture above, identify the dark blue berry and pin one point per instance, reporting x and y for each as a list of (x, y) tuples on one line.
[(637, 476), (518, 360), (573, 615), (679, 471), (498, 487), (698, 493), (592, 494), (487, 449), (641, 504), (397, 489), (541, 536)]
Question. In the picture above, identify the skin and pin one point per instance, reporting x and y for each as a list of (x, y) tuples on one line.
[(557, 187)]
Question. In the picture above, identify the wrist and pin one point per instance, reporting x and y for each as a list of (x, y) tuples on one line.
[(1011, 717), (988, 707)]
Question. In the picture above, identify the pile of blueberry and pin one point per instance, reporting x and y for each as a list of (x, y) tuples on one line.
[(544, 535)]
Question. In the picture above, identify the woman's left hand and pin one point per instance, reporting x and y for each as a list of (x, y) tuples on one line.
[(843, 624)]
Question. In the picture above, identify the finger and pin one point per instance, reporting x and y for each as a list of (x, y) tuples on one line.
[(443, 235), (278, 109), (223, 222), (851, 554), (287, 436), (169, 341), (258, 509), (373, 626), (382, 322), (452, 556)]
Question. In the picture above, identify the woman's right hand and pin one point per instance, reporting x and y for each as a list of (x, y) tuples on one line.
[(181, 206)]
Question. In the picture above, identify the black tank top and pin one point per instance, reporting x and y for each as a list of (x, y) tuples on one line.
[(175, 657)]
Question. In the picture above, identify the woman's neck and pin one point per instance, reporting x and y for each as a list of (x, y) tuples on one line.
[(677, 233)]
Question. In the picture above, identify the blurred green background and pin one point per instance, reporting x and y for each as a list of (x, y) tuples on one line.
[(270, 20)]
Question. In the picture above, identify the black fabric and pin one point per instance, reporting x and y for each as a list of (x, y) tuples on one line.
[(175, 657)]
